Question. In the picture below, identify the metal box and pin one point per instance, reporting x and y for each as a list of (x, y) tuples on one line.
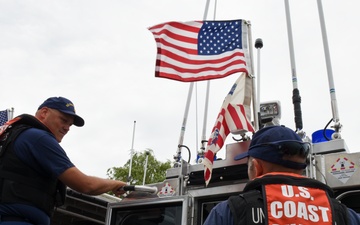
[(338, 170)]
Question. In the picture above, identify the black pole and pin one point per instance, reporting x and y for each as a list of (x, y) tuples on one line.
[(297, 109)]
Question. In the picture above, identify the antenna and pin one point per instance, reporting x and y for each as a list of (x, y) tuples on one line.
[(334, 106), (131, 154), (296, 93), (258, 45)]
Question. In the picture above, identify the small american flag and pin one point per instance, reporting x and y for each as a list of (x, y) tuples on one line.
[(200, 50), (233, 118), (4, 117)]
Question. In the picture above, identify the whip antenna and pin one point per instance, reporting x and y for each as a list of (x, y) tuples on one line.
[(296, 99)]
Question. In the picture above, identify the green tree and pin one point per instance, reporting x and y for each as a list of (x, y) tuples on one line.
[(155, 172)]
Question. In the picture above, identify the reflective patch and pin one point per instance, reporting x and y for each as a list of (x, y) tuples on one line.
[(343, 169), (166, 191), (288, 204)]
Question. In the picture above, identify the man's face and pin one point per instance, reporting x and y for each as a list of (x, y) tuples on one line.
[(58, 123)]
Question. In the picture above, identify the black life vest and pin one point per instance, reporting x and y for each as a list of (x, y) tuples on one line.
[(253, 206), (19, 183)]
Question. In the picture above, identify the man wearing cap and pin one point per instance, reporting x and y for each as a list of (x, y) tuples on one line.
[(35, 170), (277, 193)]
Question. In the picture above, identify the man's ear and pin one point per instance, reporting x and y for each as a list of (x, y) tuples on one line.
[(41, 113), (258, 166)]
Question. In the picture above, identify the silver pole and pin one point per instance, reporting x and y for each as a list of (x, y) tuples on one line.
[(177, 157), (291, 45), (256, 104), (258, 46), (196, 115), (145, 166), (329, 69), (203, 136), (296, 99), (131, 153), (10, 113)]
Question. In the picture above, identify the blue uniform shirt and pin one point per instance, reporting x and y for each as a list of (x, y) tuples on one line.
[(39, 150)]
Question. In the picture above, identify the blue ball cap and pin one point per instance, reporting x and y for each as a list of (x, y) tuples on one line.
[(63, 105), (266, 145)]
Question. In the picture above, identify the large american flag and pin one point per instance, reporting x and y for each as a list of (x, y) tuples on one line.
[(233, 118), (200, 50), (3, 117)]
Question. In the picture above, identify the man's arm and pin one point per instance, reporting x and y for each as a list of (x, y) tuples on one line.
[(220, 215), (354, 216), (77, 180)]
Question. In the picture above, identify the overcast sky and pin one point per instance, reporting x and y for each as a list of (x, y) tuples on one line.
[(101, 55)]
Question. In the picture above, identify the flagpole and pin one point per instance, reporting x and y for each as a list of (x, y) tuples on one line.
[(258, 46), (203, 136), (256, 104), (177, 157), (334, 106), (11, 113), (147, 153), (296, 93)]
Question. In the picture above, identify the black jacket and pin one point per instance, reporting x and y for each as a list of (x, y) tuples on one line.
[(250, 208)]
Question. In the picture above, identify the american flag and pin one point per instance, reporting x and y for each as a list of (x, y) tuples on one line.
[(3, 117), (200, 50), (233, 117)]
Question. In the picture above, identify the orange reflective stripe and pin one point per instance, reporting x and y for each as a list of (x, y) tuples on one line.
[(7, 124), (281, 173), (288, 204)]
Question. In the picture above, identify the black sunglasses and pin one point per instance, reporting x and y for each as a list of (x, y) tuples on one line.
[(289, 147)]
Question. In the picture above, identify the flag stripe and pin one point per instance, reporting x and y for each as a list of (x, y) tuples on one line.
[(200, 50), (249, 126), (178, 27), (226, 70), (185, 50), (185, 39), (176, 35), (237, 117), (171, 51)]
